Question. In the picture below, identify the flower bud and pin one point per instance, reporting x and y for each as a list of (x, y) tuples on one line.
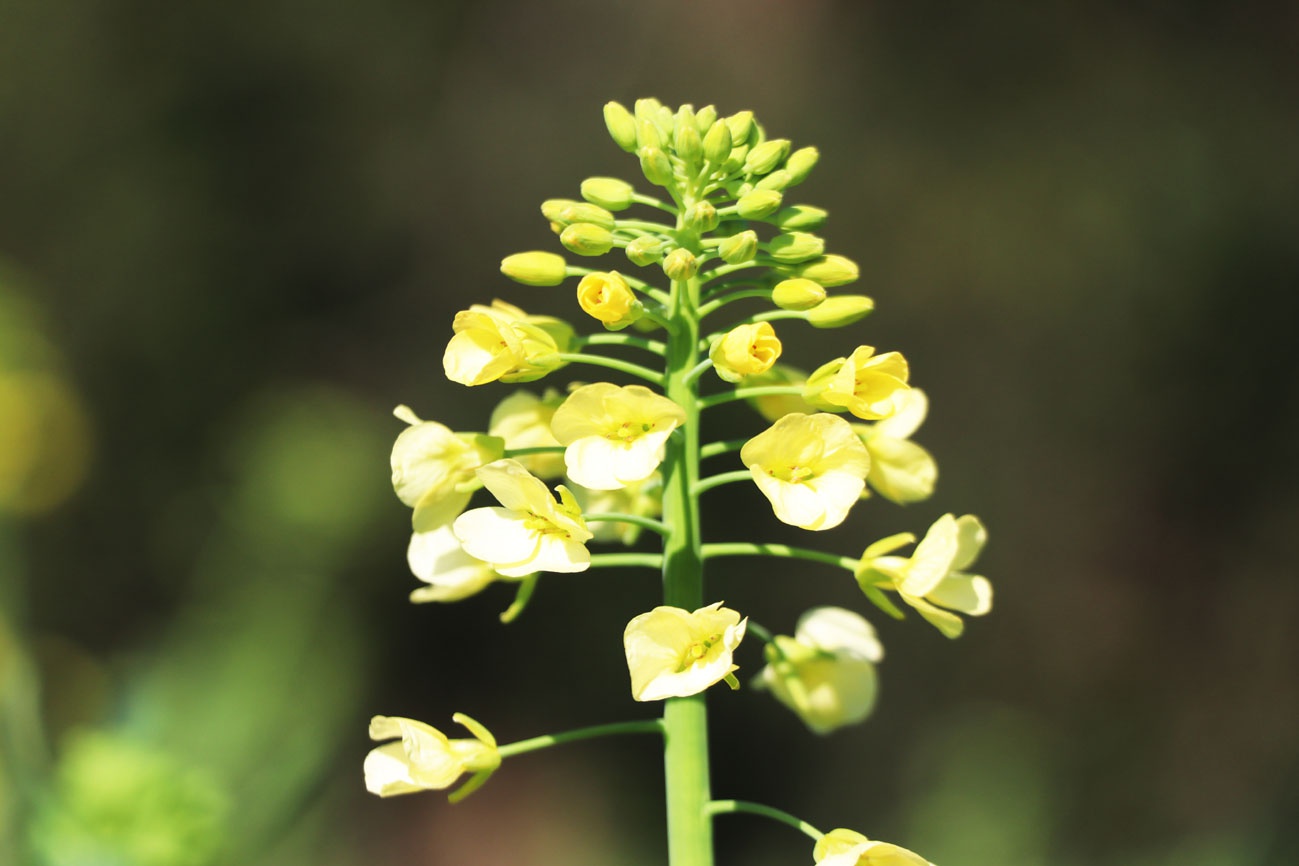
[(644, 251), (553, 209), (840, 310), (766, 156), (648, 135), (746, 350), (536, 268), (705, 118), (656, 166), (741, 125), (740, 248), (701, 217), (717, 143), (758, 204), (648, 109), (739, 153), (799, 216), (829, 271), (800, 164), (680, 264), (585, 212), (777, 180), (608, 298), (621, 125), (688, 144), (797, 294), (795, 247), (610, 193), (586, 239)]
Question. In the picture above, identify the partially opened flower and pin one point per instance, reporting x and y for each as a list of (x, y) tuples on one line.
[(614, 434), (523, 421), (425, 759), (850, 848), (901, 470), (672, 652), (744, 351), (503, 342), (531, 532), (811, 467), (607, 298), (865, 384), (433, 468), (933, 579), (437, 558), (825, 673)]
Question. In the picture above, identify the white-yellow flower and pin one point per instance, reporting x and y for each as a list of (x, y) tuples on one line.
[(503, 342), (849, 848), (614, 435), (523, 421), (825, 673), (811, 467), (901, 470), (672, 653), (437, 558), (532, 532), (640, 498), (933, 579), (433, 468), (865, 384), (425, 759)]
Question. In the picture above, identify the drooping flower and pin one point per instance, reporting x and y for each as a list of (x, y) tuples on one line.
[(607, 298), (640, 498), (503, 342), (745, 350), (811, 467), (849, 848), (614, 435), (532, 532), (437, 558), (672, 652), (425, 759), (933, 580), (433, 468), (825, 673), (523, 421), (865, 384), (901, 470)]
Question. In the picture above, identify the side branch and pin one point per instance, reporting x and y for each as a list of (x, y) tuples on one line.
[(706, 484), (647, 726), (726, 807), (746, 393), (635, 519), (651, 376), (744, 548)]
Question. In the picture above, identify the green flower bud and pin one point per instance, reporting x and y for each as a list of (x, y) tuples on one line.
[(685, 116), (800, 164), (587, 239), (717, 143), (797, 294), (758, 204), (766, 156), (647, 109), (739, 153), (553, 210), (840, 310), (644, 251), (705, 118), (740, 248), (800, 216), (584, 212), (621, 125), (829, 271), (611, 193), (656, 166), (741, 124), (777, 180), (648, 135), (535, 268), (795, 247), (680, 264), (701, 217), (656, 114), (688, 144)]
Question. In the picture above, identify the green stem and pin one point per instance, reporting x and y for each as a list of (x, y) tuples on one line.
[(725, 446), (744, 548), (647, 226), (653, 202), (726, 807), (706, 484), (646, 726), (538, 449), (619, 560), (746, 393), (618, 517), (616, 339), (698, 370), (613, 364)]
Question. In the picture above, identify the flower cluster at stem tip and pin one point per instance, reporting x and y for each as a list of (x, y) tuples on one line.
[(722, 233)]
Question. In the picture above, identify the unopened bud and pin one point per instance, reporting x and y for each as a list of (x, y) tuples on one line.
[(740, 248), (621, 125), (586, 239), (800, 164), (741, 124), (777, 180), (758, 204), (840, 310), (701, 217), (717, 143), (766, 156), (536, 268), (553, 209), (800, 216), (608, 298), (797, 294), (644, 251), (680, 264), (795, 247), (656, 166), (688, 144), (705, 118), (739, 153), (829, 271), (585, 212), (648, 134), (611, 193)]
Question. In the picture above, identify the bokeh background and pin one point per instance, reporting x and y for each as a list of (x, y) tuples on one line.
[(233, 236)]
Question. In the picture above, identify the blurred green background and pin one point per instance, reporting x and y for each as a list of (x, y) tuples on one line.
[(233, 236)]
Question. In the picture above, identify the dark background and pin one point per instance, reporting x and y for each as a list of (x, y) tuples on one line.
[(243, 228)]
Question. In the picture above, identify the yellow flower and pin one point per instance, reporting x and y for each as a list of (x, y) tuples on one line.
[(503, 342), (746, 350), (901, 470), (932, 580), (850, 848), (811, 467), (532, 532), (641, 498), (614, 435), (825, 673), (437, 558), (433, 468), (424, 759), (672, 653), (608, 298), (523, 421), (865, 384)]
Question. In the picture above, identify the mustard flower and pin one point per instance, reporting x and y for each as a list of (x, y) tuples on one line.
[(607, 298), (532, 532), (614, 435), (522, 420), (901, 470), (932, 580), (849, 848), (825, 673), (746, 350), (425, 759), (812, 468), (865, 384), (672, 653), (503, 342), (433, 468), (437, 558)]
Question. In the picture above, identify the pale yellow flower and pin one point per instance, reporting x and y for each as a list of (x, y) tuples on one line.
[(433, 468), (607, 298), (614, 435), (641, 498), (532, 532), (425, 759), (503, 342), (901, 470), (746, 350), (865, 384), (672, 653), (850, 848), (932, 580), (437, 558), (812, 468), (825, 673), (523, 421)]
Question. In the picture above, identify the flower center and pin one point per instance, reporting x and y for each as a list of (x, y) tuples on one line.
[(697, 651), (534, 522)]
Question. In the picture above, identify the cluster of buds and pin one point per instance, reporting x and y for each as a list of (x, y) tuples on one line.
[(629, 456)]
